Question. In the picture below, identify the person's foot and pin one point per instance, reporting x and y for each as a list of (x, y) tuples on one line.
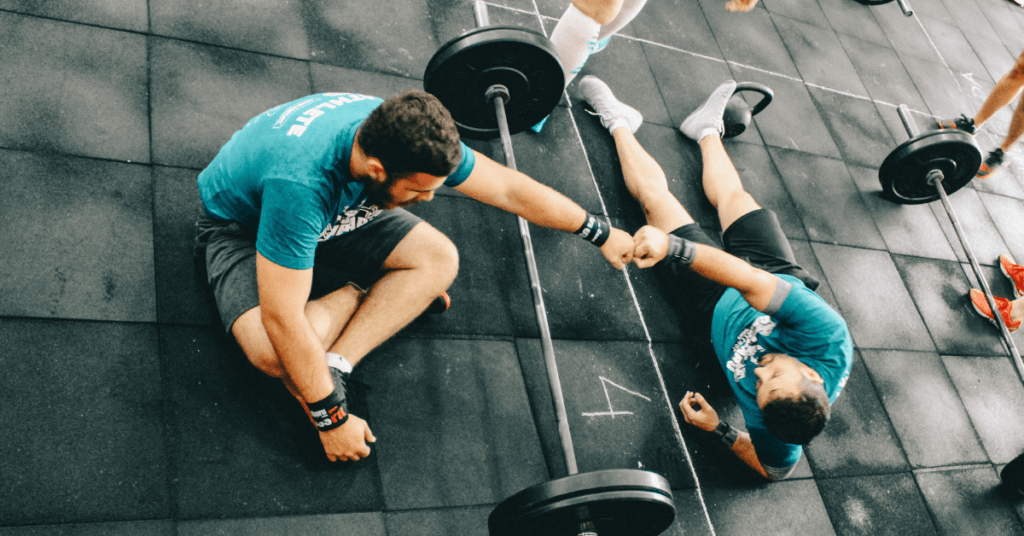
[(963, 123), (707, 119), (613, 113), (1013, 272), (992, 163), (1005, 308)]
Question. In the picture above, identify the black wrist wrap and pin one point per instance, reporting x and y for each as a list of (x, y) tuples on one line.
[(595, 230), (328, 413), (726, 434), (680, 250)]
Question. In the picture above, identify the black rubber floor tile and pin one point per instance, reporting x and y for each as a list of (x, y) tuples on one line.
[(656, 306), (830, 205), (269, 463), (992, 393), (82, 440), (750, 39), (182, 295), (368, 524), (853, 19), (801, 11), (201, 95), (807, 260), (858, 439), (873, 299), (95, 260), (268, 26), (977, 224), (692, 366), (439, 522), (876, 505), (491, 294), (163, 527), (328, 78), (763, 182), (73, 89), (449, 19), (1003, 18), (924, 408), (623, 66), (792, 120), (954, 49), (939, 86), (907, 229), (856, 127), (933, 10), (1008, 215), (691, 516), (905, 34), (882, 73), (618, 414), (679, 24), (127, 15), (993, 54), (968, 501), (792, 507), (819, 56), (434, 399), (686, 81)]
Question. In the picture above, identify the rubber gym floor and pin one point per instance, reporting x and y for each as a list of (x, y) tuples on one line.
[(125, 410)]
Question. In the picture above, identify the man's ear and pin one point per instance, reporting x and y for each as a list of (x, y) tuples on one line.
[(813, 375), (375, 168)]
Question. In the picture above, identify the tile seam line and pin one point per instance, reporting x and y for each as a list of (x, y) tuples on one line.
[(640, 315)]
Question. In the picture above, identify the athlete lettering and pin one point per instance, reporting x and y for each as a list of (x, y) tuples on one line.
[(304, 119)]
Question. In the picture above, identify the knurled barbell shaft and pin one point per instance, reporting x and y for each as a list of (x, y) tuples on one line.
[(934, 178), (547, 347)]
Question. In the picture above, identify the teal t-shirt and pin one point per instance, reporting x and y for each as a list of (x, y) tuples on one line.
[(286, 175), (804, 327)]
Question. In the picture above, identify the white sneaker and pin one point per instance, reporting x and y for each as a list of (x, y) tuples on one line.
[(707, 119), (613, 113)]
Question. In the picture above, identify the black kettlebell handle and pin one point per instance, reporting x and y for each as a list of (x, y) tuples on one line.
[(759, 88)]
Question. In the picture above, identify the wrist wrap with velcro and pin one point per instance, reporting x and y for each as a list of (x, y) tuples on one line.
[(329, 413), (594, 230)]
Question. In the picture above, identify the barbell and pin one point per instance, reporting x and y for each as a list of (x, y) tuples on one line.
[(933, 166), (497, 81)]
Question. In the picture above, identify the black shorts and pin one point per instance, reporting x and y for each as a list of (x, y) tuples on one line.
[(755, 237), (229, 251)]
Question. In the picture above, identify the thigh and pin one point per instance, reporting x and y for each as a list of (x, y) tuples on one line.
[(758, 239), (231, 268), (693, 296), (359, 255)]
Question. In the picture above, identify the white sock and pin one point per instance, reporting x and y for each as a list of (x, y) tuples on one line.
[(630, 9), (573, 37), (338, 362)]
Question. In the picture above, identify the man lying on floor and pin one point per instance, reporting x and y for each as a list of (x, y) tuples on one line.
[(785, 352)]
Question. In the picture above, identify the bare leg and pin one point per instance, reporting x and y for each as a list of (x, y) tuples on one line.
[(1005, 90), (602, 11), (421, 267), (722, 183), (1016, 127), (646, 181)]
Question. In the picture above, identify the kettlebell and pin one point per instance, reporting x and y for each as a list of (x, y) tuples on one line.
[(738, 113)]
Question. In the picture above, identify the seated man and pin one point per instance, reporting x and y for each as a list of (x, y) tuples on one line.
[(307, 195), (785, 352)]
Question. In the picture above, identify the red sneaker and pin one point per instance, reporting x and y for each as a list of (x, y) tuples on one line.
[(1005, 306), (439, 305), (1014, 272)]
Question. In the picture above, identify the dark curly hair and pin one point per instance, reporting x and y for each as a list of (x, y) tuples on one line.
[(412, 133), (798, 420)]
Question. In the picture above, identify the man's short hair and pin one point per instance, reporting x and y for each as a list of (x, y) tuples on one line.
[(798, 420), (412, 133)]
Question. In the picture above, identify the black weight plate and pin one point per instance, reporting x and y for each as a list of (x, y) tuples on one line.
[(619, 502), (522, 60), (904, 173)]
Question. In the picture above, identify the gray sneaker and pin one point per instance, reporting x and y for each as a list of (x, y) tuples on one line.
[(707, 119), (613, 113)]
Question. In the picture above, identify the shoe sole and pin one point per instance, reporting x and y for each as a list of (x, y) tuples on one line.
[(991, 318)]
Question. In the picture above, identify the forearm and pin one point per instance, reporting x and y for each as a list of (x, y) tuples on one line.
[(743, 448), (301, 354)]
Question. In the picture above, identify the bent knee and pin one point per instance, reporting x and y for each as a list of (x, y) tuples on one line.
[(428, 249), (601, 11), (252, 339)]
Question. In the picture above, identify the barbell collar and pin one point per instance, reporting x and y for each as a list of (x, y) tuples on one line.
[(935, 177)]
